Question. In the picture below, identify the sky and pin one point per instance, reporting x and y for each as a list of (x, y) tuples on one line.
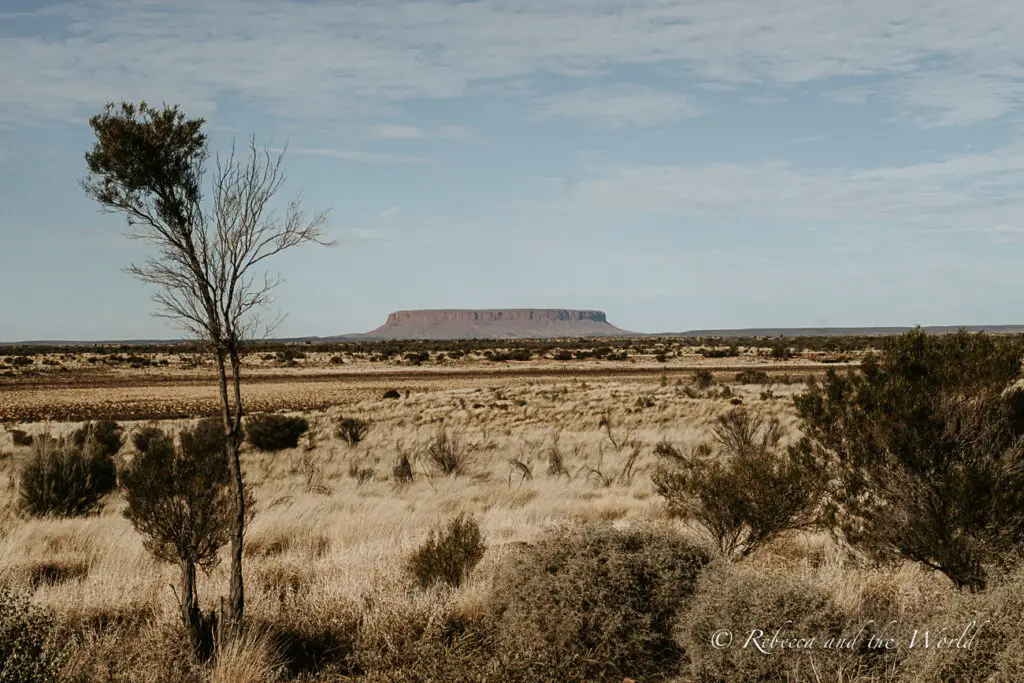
[(677, 164)]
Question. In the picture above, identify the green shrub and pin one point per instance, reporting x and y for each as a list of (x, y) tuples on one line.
[(180, 500), (352, 430), (926, 451), (65, 480), (402, 472), (145, 436), (754, 606), (594, 603), (30, 650), (449, 556), (392, 394), (275, 432), (749, 491), (106, 434)]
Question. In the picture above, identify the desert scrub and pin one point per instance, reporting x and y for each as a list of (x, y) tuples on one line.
[(272, 432), (996, 652), (752, 606), (747, 491), (30, 649), (448, 556), (106, 434), (352, 430), (63, 479), (591, 602), (448, 453)]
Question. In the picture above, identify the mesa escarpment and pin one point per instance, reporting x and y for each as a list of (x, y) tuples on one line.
[(496, 323)]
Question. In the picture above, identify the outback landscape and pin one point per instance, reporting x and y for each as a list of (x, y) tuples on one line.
[(639, 359), (439, 511)]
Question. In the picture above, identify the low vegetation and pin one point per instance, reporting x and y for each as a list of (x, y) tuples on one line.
[(603, 529), (272, 432)]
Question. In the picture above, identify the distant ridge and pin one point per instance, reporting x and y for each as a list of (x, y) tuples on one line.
[(842, 331)]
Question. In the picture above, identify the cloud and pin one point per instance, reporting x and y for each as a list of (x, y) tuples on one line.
[(619, 106), (403, 132), (339, 61), (359, 156), (975, 192)]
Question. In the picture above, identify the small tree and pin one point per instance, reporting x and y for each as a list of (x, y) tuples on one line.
[(180, 499), (925, 446), (149, 164), (748, 492)]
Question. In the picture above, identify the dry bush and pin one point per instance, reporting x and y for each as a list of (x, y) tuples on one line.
[(755, 606), (31, 649), (401, 474), (752, 377), (352, 430), (271, 432), (106, 434), (449, 454), (448, 556), (250, 657), (21, 437), (703, 378), (994, 653), (594, 603), (750, 495), (65, 480)]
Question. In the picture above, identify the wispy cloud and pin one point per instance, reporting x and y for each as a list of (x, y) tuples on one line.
[(391, 131), (359, 156), (337, 61), (963, 192), (620, 105)]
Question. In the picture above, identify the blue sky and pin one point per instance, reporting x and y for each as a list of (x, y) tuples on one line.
[(679, 165)]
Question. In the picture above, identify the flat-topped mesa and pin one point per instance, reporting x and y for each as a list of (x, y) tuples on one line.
[(494, 315), (496, 323)]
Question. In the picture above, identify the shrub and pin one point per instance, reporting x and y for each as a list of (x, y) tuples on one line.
[(106, 434), (753, 377), (392, 394), (594, 603), (926, 451), (748, 493), (29, 650), (65, 480), (180, 500), (753, 606), (275, 432), (206, 439), (703, 378), (448, 454), (337, 360), (402, 472), (21, 437), (145, 436), (996, 643), (448, 556), (352, 430)]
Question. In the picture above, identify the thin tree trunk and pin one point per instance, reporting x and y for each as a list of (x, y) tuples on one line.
[(232, 421), (189, 602)]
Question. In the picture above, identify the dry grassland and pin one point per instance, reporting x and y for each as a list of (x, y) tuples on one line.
[(327, 545)]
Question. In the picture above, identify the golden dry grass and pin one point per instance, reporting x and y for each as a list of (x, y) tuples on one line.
[(326, 549)]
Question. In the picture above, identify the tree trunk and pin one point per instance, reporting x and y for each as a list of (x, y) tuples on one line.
[(232, 429), (190, 617)]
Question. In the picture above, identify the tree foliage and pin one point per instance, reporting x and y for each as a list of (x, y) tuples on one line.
[(925, 447)]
